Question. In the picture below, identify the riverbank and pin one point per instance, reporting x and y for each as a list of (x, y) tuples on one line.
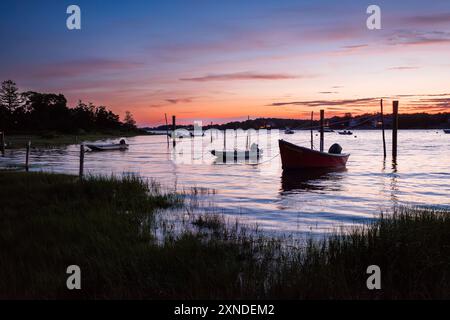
[(106, 226), (49, 140)]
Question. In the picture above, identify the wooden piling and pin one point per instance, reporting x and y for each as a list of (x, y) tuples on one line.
[(394, 130), (312, 134), (2, 142), (174, 128), (224, 145), (167, 129), (211, 130), (81, 161), (382, 128), (27, 157), (322, 118)]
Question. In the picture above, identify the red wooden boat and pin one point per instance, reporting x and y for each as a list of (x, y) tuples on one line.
[(296, 157)]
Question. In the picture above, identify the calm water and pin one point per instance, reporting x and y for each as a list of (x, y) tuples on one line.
[(264, 194)]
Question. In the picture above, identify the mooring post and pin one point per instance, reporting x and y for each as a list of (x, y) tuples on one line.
[(2, 142), (322, 117), (224, 145), (27, 157), (312, 124), (394, 130), (174, 128), (81, 161), (167, 130), (382, 128)]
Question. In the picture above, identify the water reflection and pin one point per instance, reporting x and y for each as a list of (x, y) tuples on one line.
[(393, 184), (264, 193), (311, 180)]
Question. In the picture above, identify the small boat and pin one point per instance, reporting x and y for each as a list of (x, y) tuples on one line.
[(447, 131), (122, 145), (288, 131), (296, 157), (197, 134), (235, 155), (345, 133), (180, 134)]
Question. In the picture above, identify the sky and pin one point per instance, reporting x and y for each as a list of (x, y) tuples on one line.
[(221, 61)]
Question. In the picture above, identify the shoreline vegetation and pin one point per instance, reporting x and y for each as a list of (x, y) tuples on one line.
[(368, 121), (55, 139), (48, 121), (105, 225)]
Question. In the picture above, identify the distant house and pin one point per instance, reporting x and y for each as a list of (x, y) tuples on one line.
[(376, 123)]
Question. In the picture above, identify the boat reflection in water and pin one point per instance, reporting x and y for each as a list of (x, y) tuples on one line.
[(293, 181)]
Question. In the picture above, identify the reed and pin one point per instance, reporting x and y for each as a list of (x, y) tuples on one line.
[(105, 225)]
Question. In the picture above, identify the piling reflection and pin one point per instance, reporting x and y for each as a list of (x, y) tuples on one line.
[(393, 184)]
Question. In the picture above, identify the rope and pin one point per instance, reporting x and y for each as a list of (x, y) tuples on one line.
[(260, 163)]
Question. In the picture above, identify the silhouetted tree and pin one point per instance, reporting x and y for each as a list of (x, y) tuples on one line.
[(10, 101), (10, 97), (129, 121), (106, 119), (34, 111)]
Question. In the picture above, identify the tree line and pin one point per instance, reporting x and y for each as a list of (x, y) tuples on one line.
[(32, 111)]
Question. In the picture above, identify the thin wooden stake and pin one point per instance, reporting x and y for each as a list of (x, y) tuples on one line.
[(174, 127), (81, 161), (312, 134), (382, 128), (224, 145), (27, 157), (224, 139), (322, 116), (167, 129), (2, 142), (210, 129), (394, 130)]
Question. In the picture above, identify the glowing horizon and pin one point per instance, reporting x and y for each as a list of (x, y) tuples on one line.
[(210, 61)]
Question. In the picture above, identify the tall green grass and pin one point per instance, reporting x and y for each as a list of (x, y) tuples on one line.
[(104, 225)]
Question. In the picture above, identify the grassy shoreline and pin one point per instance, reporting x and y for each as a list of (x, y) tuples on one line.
[(46, 140), (103, 224)]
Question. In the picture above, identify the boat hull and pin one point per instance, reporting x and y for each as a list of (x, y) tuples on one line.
[(110, 147), (226, 156), (296, 157)]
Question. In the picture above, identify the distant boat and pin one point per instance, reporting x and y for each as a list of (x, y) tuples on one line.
[(296, 157), (122, 145), (197, 134), (345, 133), (181, 134), (235, 155), (288, 131), (447, 131)]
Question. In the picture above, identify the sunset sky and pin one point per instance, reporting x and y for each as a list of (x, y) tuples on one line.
[(223, 60)]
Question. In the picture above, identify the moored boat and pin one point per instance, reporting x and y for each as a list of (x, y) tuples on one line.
[(297, 157), (238, 155), (122, 145), (289, 131), (345, 133)]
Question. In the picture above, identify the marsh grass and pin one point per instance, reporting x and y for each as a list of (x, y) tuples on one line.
[(49, 221)]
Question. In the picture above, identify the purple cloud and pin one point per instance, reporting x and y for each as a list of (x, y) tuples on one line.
[(320, 103), (241, 76)]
